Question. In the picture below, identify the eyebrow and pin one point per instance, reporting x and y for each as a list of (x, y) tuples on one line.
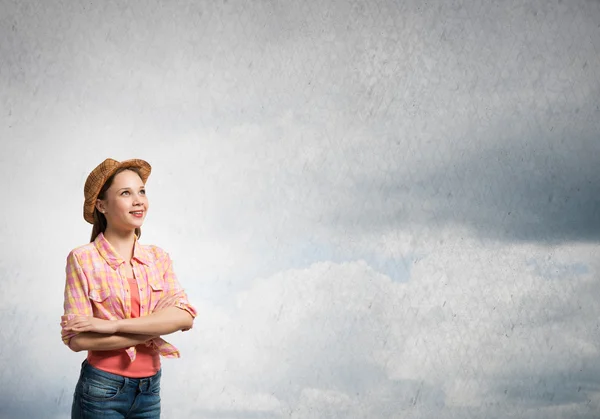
[(141, 187)]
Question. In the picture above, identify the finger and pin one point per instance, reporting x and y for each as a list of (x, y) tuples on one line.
[(171, 301), (77, 327), (162, 303), (85, 328), (80, 324), (162, 306), (167, 301), (73, 328), (69, 325), (79, 318)]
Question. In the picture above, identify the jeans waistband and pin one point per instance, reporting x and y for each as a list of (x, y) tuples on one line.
[(86, 367)]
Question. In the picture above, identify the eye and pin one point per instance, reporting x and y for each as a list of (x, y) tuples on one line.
[(124, 192), (143, 191)]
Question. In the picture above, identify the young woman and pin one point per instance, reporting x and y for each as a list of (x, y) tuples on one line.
[(120, 298)]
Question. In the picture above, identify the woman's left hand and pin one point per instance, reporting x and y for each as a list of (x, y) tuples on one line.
[(81, 324)]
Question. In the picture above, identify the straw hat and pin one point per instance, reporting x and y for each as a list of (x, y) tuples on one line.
[(98, 177)]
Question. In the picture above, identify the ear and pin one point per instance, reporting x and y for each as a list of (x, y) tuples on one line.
[(101, 206)]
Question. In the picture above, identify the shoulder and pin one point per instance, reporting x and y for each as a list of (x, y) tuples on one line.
[(83, 252), (155, 253)]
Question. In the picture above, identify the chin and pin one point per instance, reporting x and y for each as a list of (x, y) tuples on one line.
[(136, 225)]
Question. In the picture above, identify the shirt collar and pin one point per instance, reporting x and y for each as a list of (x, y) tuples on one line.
[(111, 256)]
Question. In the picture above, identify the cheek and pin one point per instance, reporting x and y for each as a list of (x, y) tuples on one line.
[(122, 207)]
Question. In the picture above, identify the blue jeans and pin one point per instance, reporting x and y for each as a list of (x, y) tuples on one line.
[(100, 394)]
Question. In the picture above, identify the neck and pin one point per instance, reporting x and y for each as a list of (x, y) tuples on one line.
[(119, 236), (121, 240)]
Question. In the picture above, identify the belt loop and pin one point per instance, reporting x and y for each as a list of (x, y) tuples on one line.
[(144, 381)]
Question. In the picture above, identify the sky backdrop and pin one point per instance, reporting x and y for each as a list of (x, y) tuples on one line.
[(381, 209)]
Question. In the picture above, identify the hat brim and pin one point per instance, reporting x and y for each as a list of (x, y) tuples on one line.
[(98, 177)]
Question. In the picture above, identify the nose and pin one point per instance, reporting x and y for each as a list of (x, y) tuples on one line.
[(137, 199)]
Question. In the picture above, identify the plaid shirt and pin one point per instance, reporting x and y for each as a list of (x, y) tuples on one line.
[(96, 286)]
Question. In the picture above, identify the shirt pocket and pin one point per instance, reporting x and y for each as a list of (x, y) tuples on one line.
[(101, 302), (155, 289)]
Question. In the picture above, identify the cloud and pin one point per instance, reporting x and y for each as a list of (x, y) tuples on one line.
[(513, 190), (474, 330)]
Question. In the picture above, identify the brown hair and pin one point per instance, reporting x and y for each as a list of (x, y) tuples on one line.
[(100, 222)]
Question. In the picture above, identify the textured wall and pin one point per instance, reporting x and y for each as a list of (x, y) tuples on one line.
[(382, 209)]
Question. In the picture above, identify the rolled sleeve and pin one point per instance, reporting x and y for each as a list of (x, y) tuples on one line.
[(173, 286), (76, 302)]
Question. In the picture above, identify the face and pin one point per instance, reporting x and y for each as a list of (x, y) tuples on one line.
[(125, 204)]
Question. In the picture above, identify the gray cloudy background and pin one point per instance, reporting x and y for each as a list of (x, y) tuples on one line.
[(382, 209)]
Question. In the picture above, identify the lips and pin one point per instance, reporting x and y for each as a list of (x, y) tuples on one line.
[(138, 214)]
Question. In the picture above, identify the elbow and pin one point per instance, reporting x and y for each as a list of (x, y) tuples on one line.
[(187, 323), (184, 319), (75, 345)]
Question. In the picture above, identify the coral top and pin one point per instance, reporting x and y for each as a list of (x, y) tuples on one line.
[(147, 360)]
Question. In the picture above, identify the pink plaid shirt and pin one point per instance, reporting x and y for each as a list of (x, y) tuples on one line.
[(97, 286)]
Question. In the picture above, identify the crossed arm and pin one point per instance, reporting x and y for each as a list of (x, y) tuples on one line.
[(81, 331), (93, 341), (105, 335)]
